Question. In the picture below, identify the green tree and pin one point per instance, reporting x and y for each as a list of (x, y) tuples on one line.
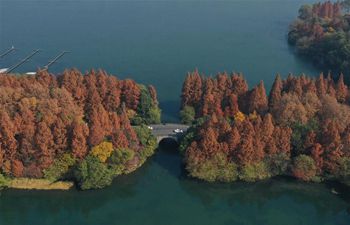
[(60, 167), (190, 135), (147, 110), (147, 140), (93, 174), (3, 181), (154, 115), (215, 169), (187, 114), (255, 171), (305, 12), (344, 172), (304, 168), (277, 163), (299, 134), (119, 158)]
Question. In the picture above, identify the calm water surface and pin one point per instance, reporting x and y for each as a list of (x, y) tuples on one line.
[(157, 42)]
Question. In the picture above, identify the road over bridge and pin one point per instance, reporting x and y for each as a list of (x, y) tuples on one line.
[(167, 130)]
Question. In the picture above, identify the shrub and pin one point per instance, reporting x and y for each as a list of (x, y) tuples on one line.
[(121, 156), (3, 181), (147, 140), (344, 172), (300, 131), (60, 167), (215, 169), (304, 168), (154, 115), (190, 135), (277, 163), (239, 116), (255, 171), (93, 174), (102, 151), (187, 115)]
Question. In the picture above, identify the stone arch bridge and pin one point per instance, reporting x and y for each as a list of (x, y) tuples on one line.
[(162, 131)]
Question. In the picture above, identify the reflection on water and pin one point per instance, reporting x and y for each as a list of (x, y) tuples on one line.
[(161, 185)]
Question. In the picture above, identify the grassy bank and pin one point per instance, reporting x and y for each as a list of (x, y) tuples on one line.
[(39, 184)]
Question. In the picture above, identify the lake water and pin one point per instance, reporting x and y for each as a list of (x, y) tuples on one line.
[(157, 42)]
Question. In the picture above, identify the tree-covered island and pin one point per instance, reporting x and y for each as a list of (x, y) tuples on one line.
[(302, 129), (321, 33), (73, 127)]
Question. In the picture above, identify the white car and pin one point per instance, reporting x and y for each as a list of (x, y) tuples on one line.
[(178, 131), (149, 127)]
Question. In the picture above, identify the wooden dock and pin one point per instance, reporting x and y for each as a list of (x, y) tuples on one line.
[(55, 59), (7, 52), (23, 61)]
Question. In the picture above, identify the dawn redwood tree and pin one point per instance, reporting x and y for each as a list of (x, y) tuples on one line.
[(267, 133), (258, 100), (310, 140), (8, 144), (17, 168), (130, 93), (232, 107), (333, 148), (209, 143), (101, 83), (111, 100), (233, 139), (239, 84), (44, 143), (208, 102), (275, 93), (246, 149), (316, 154), (342, 90), (80, 132), (153, 93), (97, 132), (282, 136), (73, 82), (321, 86), (120, 140), (60, 136)]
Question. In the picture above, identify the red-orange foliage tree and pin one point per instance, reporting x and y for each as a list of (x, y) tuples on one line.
[(306, 125), (43, 117)]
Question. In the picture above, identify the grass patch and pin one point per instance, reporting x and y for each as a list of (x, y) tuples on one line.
[(39, 184)]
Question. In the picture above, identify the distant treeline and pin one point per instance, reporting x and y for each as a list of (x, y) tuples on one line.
[(301, 129), (321, 34), (74, 126)]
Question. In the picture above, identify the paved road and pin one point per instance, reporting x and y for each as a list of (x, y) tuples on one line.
[(164, 130)]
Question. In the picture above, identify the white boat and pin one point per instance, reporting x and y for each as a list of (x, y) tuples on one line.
[(30, 73), (334, 191), (3, 70)]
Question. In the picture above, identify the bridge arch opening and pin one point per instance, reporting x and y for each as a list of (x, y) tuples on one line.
[(169, 144)]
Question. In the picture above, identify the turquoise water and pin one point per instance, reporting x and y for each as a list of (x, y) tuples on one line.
[(159, 193), (157, 42)]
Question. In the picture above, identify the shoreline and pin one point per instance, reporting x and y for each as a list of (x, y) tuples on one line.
[(39, 184), (42, 184)]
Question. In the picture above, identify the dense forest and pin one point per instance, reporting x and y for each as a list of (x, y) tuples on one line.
[(302, 129), (321, 33), (74, 126)]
